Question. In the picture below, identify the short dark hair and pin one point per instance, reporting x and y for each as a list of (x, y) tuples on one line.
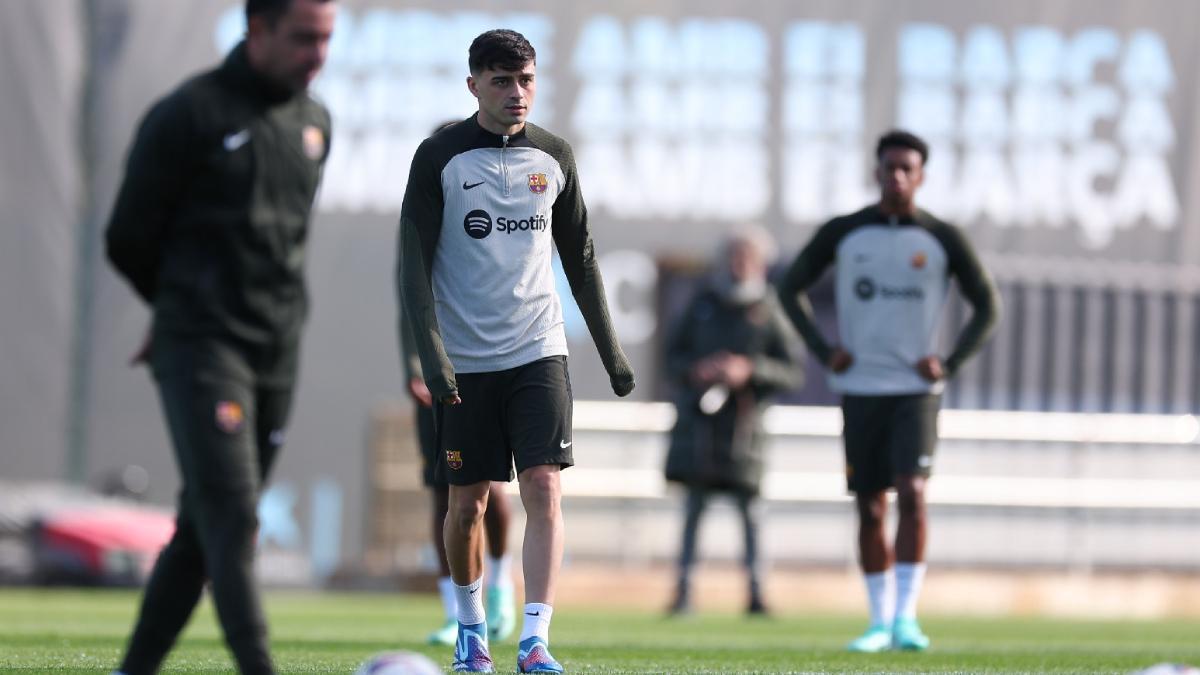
[(898, 138), (500, 49), (271, 10)]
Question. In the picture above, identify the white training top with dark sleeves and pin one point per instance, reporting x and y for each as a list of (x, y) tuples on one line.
[(481, 214), (892, 275)]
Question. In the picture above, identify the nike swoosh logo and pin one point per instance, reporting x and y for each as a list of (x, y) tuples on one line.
[(565, 444), (237, 140), (467, 186), (473, 591), (533, 613)]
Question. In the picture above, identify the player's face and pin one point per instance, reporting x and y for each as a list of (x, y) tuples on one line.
[(294, 47), (505, 97), (900, 172)]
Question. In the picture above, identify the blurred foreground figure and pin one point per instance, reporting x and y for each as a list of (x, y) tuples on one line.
[(893, 264), (731, 350), (209, 228)]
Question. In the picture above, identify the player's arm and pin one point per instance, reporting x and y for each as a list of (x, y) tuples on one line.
[(978, 290), (156, 175), (420, 228), (808, 267), (569, 222), (414, 381), (778, 367)]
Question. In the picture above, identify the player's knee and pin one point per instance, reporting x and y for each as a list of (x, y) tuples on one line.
[(910, 497), (872, 510), (540, 490), (466, 513)]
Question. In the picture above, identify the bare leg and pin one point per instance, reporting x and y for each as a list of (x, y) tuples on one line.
[(441, 506), (496, 520), (874, 554), (463, 531), (911, 531), (541, 494)]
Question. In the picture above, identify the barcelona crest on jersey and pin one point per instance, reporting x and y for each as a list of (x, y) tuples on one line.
[(454, 459), (538, 183)]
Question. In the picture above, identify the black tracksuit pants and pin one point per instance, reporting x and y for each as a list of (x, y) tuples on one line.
[(226, 430)]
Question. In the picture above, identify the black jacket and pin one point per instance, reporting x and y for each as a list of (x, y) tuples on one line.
[(724, 450), (212, 217)]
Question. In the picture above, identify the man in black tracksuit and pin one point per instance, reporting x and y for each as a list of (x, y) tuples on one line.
[(209, 227)]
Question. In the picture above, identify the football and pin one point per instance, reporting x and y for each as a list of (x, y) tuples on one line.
[(398, 663), (1169, 669)]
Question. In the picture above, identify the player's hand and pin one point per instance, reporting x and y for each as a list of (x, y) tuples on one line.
[(142, 355), (840, 360), (451, 399), (622, 385), (736, 370), (931, 368), (705, 371), (420, 392)]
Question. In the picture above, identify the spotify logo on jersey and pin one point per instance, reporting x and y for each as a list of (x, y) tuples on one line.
[(864, 288), (478, 224)]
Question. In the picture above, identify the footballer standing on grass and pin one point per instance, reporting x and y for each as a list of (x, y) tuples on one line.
[(893, 264), (486, 199)]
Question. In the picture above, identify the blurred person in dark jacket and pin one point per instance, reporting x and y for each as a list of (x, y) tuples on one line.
[(731, 350), (210, 228)]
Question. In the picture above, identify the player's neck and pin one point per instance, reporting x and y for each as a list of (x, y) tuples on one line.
[(900, 209), (497, 128)]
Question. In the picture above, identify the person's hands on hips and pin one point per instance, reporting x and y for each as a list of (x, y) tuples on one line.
[(931, 368), (840, 360)]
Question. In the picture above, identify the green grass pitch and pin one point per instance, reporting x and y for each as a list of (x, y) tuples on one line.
[(71, 631)]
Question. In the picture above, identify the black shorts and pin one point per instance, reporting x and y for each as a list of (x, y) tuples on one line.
[(521, 415), (427, 439), (888, 436)]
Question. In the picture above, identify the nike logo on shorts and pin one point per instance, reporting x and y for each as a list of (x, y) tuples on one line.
[(467, 186), (234, 141), (565, 444)]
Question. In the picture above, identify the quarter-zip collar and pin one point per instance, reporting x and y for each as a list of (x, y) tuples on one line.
[(893, 219), (237, 70), (487, 139)]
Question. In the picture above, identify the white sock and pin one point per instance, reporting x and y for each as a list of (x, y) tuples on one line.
[(470, 602), (537, 621), (881, 594), (449, 599), (500, 571), (908, 586)]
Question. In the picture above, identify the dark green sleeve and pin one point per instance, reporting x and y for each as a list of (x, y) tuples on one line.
[(409, 359), (420, 228), (569, 221), (808, 267), (778, 367), (977, 289), (156, 175)]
